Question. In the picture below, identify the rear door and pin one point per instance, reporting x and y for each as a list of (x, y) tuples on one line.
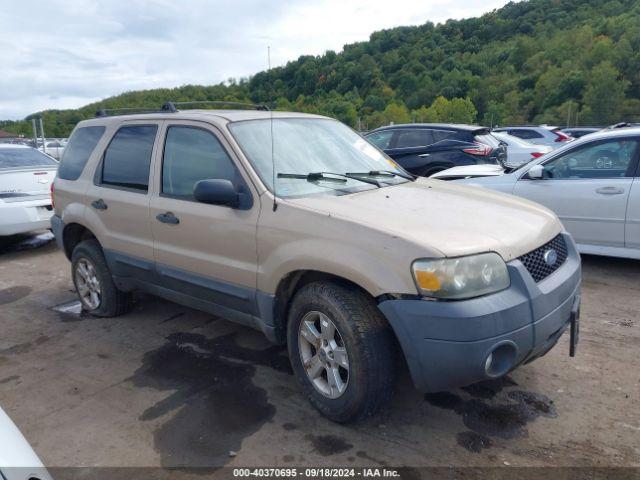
[(588, 188), (118, 199), (204, 251), (632, 231)]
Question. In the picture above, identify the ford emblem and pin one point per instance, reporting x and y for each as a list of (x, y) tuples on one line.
[(550, 257)]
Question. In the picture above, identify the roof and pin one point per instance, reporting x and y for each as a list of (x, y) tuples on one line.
[(4, 134), (602, 134), (442, 126), (204, 115)]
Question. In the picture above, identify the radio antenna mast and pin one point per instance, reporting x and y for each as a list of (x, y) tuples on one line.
[(273, 159)]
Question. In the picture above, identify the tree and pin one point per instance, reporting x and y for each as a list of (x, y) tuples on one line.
[(604, 95)]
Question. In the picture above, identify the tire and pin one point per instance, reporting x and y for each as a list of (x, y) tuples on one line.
[(112, 302), (365, 335)]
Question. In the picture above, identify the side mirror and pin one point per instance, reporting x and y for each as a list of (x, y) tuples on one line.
[(217, 192), (536, 172)]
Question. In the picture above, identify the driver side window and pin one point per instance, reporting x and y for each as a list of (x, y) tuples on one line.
[(609, 159), (190, 155)]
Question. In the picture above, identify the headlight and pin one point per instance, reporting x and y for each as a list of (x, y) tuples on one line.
[(462, 277)]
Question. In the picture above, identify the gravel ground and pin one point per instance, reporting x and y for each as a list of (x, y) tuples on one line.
[(169, 386)]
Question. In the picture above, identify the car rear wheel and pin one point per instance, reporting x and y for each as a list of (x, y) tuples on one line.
[(342, 350), (94, 284)]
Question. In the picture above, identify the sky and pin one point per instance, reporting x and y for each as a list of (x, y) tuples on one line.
[(67, 53)]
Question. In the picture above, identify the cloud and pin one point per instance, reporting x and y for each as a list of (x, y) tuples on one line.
[(63, 54)]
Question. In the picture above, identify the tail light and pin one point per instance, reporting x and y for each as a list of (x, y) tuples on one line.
[(562, 137), (479, 149), (53, 203), (536, 154)]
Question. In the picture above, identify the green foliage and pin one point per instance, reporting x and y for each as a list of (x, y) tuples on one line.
[(528, 62)]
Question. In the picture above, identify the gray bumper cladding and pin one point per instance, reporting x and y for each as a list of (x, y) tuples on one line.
[(456, 343)]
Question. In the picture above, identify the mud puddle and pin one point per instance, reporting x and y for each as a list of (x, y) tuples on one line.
[(499, 419), (218, 404), (13, 294)]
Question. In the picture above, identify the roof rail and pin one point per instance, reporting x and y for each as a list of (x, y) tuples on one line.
[(105, 112), (257, 106)]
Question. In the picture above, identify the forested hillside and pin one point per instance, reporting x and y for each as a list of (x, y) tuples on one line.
[(537, 61)]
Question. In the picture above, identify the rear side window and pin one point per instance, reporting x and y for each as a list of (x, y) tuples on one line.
[(526, 134), (128, 157), (414, 138), (190, 155), (439, 135), (77, 152)]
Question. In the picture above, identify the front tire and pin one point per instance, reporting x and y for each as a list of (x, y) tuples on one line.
[(94, 284), (342, 350)]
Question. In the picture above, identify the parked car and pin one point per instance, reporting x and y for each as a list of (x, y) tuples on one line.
[(26, 176), (18, 461), (295, 225), (54, 149), (520, 151), (592, 184), (542, 135), (578, 132), (425, 148)]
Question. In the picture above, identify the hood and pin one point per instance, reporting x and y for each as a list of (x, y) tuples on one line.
[(451, 218)]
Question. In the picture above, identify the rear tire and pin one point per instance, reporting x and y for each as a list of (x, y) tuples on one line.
[(362, 336), (94, 283)]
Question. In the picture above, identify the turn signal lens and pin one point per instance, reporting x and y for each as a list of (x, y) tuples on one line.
[(427, 280)]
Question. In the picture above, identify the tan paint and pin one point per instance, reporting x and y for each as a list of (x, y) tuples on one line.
[(370, 238)]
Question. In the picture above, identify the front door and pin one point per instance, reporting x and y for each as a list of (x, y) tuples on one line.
[(204, 251), (588, 188)]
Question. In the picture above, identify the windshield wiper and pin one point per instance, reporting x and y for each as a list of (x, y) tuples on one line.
[(317, 176), (382, 173)]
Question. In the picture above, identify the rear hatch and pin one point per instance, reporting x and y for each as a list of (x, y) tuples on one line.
[(498, 151), (25, 174)]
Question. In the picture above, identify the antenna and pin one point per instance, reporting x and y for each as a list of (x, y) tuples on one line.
[(273, 159)]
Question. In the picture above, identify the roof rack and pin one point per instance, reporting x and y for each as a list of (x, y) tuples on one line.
[(105, 112), (171, 107), (257, 106)]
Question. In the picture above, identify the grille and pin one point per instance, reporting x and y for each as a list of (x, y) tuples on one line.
[(534, 261)]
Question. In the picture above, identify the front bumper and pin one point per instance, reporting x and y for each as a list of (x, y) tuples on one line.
[(24, 217), (446, 344)]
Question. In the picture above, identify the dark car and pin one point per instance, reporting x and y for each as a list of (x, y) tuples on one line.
[(577, 132), (426, 148)]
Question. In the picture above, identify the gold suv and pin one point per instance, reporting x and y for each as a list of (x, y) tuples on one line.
[(295, 225)]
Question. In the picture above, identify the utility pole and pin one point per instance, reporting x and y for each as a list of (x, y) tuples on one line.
[(35, 133), (42, 133), (569, 116)]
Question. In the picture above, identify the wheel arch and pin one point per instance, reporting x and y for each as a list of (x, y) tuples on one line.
[(73, 234)]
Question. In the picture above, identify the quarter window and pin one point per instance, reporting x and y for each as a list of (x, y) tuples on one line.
[(190, 155), (610, 159), (128, 156), (526, 134), (80, 147)]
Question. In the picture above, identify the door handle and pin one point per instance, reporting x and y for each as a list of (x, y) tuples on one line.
[(99, 204), (168, 217), (610, 191), (424, 155)]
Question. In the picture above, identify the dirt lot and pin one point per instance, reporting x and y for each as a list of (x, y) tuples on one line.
[(169, 386)]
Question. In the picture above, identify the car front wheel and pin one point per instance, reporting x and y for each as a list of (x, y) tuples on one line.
[(342, 350)]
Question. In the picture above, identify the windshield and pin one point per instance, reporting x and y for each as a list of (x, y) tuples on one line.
[(311, 145), (24, 158)]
